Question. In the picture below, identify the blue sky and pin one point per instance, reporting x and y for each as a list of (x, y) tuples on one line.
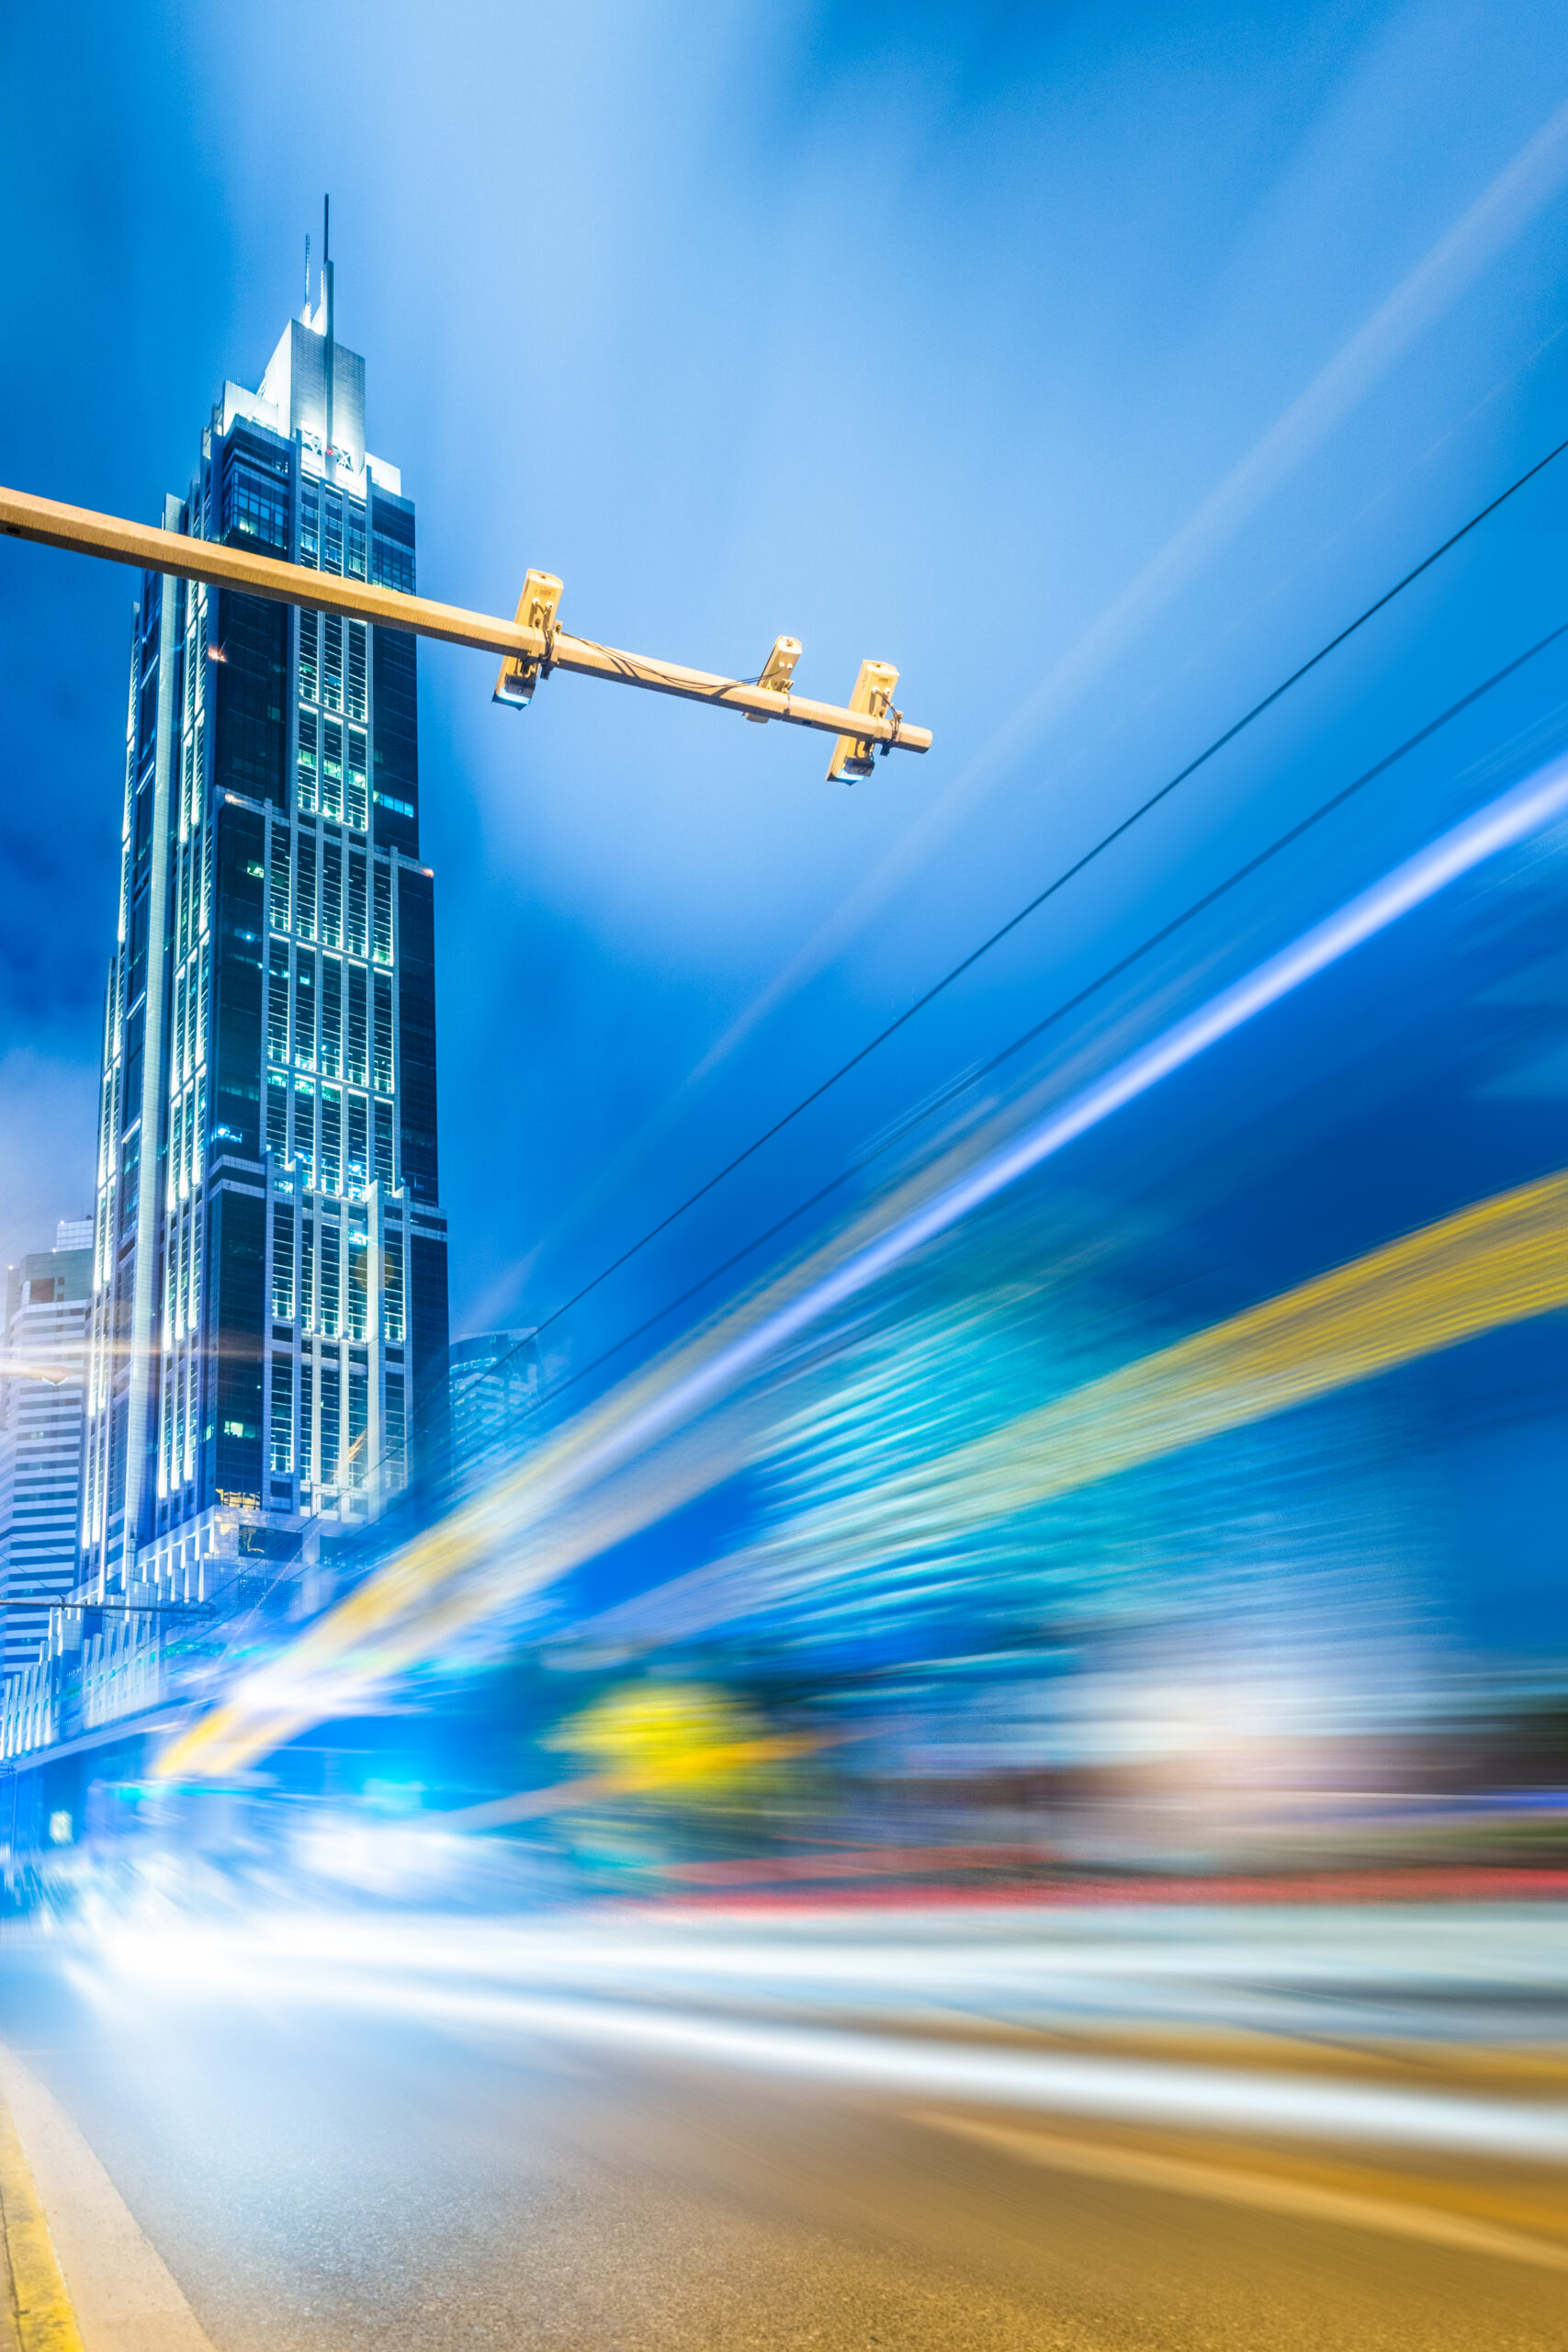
[(1091, 365)]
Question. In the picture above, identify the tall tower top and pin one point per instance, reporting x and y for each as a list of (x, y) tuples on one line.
[(314, 386)]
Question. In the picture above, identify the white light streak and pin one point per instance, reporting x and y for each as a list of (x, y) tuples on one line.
[(1503, 824), (224, 1967)]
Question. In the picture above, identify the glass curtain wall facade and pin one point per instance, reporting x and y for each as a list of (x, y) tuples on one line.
[(41, 1387), (268, 1338), (495, 1380)]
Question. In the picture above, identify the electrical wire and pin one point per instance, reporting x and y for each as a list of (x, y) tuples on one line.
[(441, 1394), (973, 1077), (1071, 1004), (1032, 906)]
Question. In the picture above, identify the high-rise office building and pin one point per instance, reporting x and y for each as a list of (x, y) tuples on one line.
[(269, 1275), (43, 1367), (495, 1380)]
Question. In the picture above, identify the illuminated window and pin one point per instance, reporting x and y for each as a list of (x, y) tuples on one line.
[(383, 1039), (278, 1115), (307, 1388), (307, 1280), (359, 1287), (392, 1287), (384, 1161), (355, 796), (359, 1149), (355, 928), (395, 1430), (331, 1390), (331, 888), (358, 1400), (331, 769), (305, 883), (382, 892), (282, 1264), (331, 661), (332, 1160), (328, 1052), (282, 1414), (278, 1002), (305, 766), (327, 1268), (356, 1041), (278, 883), (304, 1010), (357, 670)]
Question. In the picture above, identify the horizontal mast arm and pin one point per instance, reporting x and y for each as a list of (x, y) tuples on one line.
[(81, 532)]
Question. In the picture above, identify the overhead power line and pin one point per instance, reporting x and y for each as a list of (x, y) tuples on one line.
[(974, 1076), (1060, 1013), (1032, 906)]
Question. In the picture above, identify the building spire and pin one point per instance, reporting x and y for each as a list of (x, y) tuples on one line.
[(327, 301)]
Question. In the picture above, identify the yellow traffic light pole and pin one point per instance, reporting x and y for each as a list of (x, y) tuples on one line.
[(532, 645)]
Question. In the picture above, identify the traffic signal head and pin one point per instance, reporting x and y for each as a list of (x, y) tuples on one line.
[(778, 672), (538, 607), (853, 754)]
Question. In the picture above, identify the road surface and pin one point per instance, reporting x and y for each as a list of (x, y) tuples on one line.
[(321, 2166)]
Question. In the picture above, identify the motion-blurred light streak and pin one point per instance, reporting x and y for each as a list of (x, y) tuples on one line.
[(1133, 2090), (545, 1517), (1499, 1262)]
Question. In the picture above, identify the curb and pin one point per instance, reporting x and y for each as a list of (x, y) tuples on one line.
[(38, 2310)]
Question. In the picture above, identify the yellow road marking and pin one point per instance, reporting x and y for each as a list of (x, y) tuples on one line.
[(1271, 2193), (41, 2316)]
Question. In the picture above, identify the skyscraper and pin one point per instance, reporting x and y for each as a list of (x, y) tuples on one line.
[(42, 1346), (269, 1273)]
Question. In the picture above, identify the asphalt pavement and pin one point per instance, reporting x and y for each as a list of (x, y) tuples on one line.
[(326, 2174)]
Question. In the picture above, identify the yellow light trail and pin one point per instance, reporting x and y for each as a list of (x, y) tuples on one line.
[(1500, 1261)]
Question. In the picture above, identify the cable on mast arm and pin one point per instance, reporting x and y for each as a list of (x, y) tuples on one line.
[(532, 644)]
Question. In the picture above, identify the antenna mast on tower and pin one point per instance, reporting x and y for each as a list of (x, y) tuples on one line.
[(327, 298)]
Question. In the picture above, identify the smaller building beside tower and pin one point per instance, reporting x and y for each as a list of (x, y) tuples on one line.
[(494, 1384), (42, 1350)]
